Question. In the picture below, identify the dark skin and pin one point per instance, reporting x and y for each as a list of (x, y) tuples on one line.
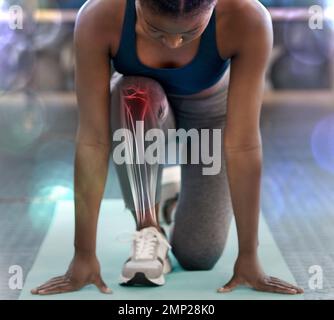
[(244, 34)]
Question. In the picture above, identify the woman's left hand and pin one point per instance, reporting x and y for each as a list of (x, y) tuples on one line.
[(248, 272)]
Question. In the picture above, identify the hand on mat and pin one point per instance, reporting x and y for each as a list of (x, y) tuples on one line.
[(248, 272), (81, 272)]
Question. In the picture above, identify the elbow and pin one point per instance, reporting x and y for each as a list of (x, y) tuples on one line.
[(242, 146), (243, 143)]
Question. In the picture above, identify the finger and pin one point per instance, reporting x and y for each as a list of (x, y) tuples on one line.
[(54, 284), (232, 284), (51, 287), (101, 285), (51, 281), (286, 284), (61, 288), (275, 288)]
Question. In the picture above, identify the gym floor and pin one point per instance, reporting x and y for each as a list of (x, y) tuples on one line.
[(297, 189)]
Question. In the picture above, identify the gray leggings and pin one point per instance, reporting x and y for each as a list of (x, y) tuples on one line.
[(204, 209)]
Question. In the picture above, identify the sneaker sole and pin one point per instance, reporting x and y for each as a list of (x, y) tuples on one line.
[(140, 278)]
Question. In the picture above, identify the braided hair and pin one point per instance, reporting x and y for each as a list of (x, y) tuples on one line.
[(176, 8)]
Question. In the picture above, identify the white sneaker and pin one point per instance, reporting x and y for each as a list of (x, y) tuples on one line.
[(149, 261)]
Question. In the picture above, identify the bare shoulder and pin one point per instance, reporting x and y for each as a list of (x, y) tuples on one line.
[(241, 21), (99, 20), (252, 12)]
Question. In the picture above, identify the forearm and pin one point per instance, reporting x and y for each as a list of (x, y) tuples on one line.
[(244, 169), (91, 169)]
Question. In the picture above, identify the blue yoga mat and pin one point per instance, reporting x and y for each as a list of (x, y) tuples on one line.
[(57, 250)]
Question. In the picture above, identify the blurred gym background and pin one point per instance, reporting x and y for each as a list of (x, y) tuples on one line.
[(38, 122)]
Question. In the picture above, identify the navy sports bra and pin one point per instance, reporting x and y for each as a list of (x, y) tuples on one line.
[(205, 70)]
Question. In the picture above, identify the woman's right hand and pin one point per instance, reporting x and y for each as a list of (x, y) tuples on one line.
[(83, 270)]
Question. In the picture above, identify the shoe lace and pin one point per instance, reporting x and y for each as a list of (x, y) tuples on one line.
[(144, 245), (144, 242)]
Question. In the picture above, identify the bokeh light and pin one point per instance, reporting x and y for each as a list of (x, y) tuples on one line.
[(329, 12), (17, 63), (309, 46), (51, 178), (54, 166), (18, 48), (44, 202), (6, 33)]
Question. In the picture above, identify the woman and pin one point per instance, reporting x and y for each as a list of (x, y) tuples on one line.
[(180, 64)]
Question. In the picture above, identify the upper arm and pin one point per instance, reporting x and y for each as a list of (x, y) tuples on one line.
[(92, 78), (247, 81)]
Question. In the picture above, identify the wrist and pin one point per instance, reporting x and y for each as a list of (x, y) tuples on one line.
[(249, 249), (248, 252), (84, 253)]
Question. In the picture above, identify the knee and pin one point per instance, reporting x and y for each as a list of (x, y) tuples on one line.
[(192, 259), (142, 98), (146, 89)]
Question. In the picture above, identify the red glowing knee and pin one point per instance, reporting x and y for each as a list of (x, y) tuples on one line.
[(136, 103)]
